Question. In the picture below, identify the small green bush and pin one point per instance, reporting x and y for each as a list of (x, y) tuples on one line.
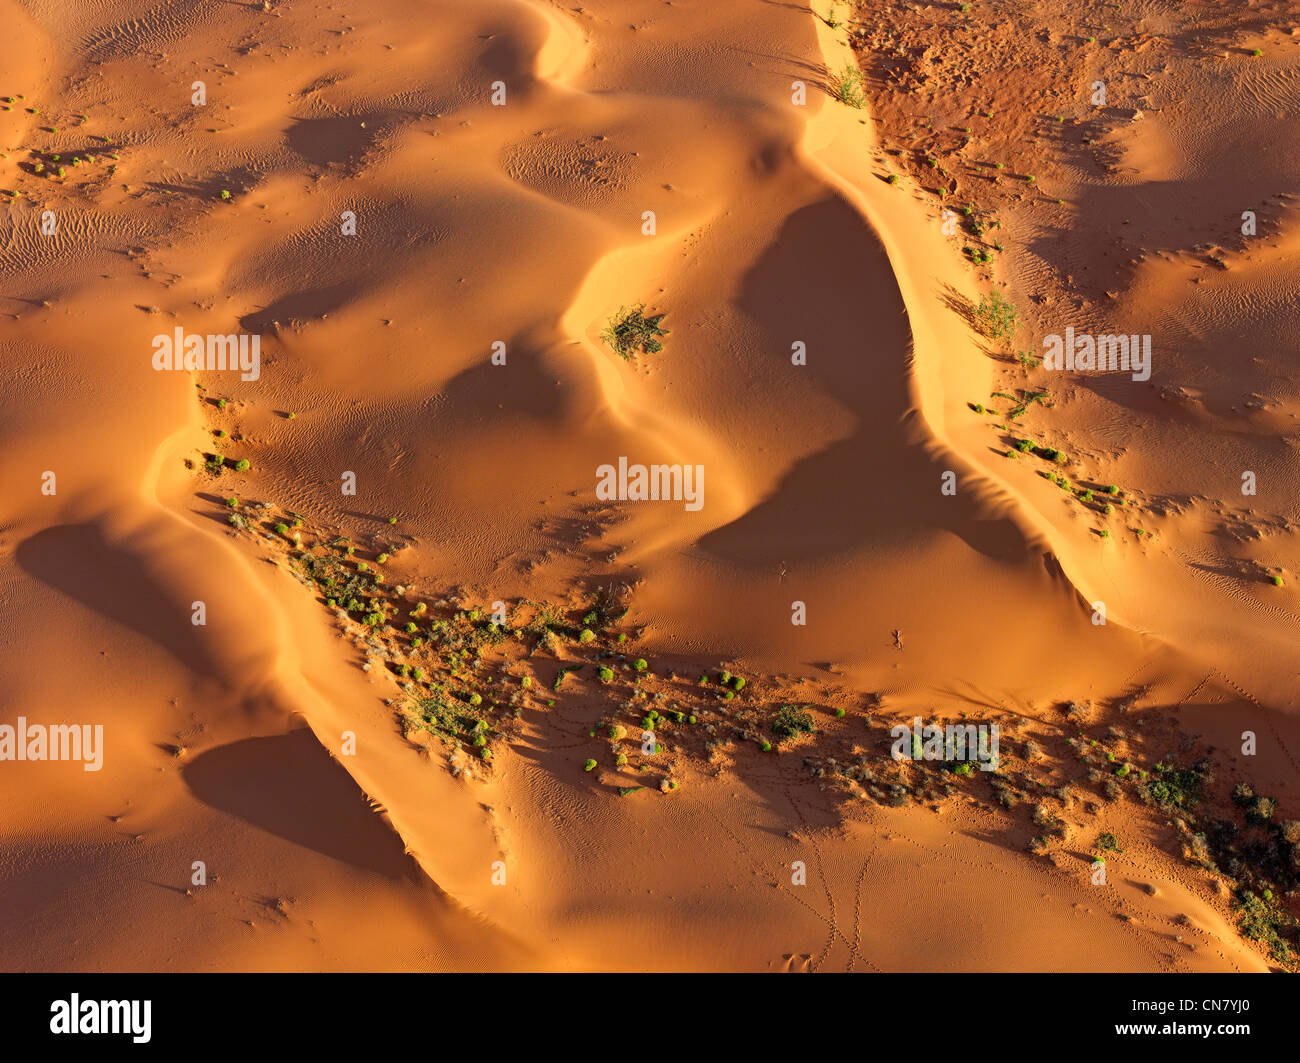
[(632, 330), (790, 720), (846, 86), (995, 317)]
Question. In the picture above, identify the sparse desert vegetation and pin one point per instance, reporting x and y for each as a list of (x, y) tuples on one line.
[(632, 331)]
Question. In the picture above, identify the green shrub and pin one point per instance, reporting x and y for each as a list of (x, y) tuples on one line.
[(590, 765), (995, 317), (1263, 920), (847, 86), (790, 720), (631, 330)]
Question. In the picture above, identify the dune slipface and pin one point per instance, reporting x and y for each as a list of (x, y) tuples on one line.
[(593, 488)]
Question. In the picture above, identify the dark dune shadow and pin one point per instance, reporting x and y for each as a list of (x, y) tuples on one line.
[(508, 56), (877, 485), (76, 560), (300, 306), (334, 141), (289, 786), (526, 387)]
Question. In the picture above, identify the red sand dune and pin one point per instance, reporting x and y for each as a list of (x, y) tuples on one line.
[(258, 745)]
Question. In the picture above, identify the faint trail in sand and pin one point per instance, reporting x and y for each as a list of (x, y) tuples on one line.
[(832, 928)]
